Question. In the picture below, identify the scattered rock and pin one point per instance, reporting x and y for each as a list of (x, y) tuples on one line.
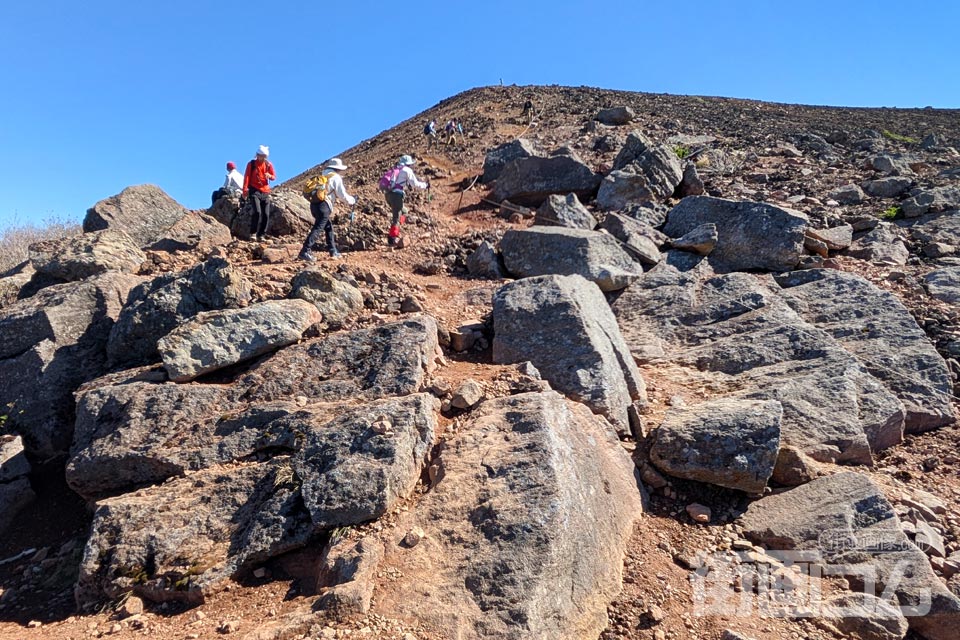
[(882, 246), (887, 187), (564, 211), (336, 300), (848, 194), (616, 116), (347, 576), (467, 395), (699, 513), (944, 284), (700, 240), (485, 263)]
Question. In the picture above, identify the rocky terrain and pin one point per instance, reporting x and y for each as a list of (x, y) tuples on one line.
[(646, 366)]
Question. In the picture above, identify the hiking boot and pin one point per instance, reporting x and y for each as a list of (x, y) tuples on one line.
[(334, 253), (259, 237), (392, 241), (307, 256)]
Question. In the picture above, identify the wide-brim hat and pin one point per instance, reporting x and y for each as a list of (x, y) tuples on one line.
[(335, 163), (405, 161)]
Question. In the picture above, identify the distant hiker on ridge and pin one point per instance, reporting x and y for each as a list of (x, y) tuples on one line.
[(322, 201), (430, 130), (393, 184), (232, 184), (256, 183), (528, 111)]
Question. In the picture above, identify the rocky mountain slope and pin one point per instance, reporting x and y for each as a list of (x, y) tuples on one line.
[(646, 366)]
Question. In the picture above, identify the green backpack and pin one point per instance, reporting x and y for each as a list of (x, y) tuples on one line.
[(315, 189)]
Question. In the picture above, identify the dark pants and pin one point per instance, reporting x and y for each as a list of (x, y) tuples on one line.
[(395, 200), (219, 193), (260, 219), (321, 215)]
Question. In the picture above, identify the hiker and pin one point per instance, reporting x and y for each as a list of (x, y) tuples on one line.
[(232, 184), (393, 184), (321, 206), (430, 130), (256, 185), (528, 110), (451, 131)]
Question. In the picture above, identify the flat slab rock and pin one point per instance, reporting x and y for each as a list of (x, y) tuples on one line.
[(89, 254), (743, 337), (845, 523), (217, 339), (564, 326), (730, 443), (524, 529), (944, 284), (596, 256), (119, 444), (881, 333), (324, 467)]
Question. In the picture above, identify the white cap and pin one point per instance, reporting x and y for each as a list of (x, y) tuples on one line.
[(263, 150)]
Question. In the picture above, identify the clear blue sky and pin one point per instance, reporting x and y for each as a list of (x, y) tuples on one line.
[(103, 94)]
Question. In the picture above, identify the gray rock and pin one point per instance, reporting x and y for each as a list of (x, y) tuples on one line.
[(499, 157), (816, 247), (848, 194), (881, 333), (616, 116), (526, 492), (836, 238), (642, 240), (529, 181), (290, 215), (49, 345), (751, 235), (833, 409), (348, 575), (700, 240), (635, 146), (467, 395), (335, 299), (157, 307), (193, 232), (564, 211), (13, 460), (691, 184), (89, 254), (863, 616), (14, 282), (183, 539), (119, 444), (936, 200), (14, 496), (892, 187), (892, 165), (144, 212), (846, 525), (932, 230), (944, 284), (556, 250), (654, 175), (484, 262), (881, 246), (563, 325), (728, 442), (213, 340)]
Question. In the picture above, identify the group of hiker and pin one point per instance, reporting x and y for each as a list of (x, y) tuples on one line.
[(323, 191), (448, 135)]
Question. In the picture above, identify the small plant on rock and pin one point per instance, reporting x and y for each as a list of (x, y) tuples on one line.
[(891, 212), (899, 138), (682, 151)]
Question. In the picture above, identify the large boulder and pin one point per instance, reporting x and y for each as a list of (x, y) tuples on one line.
[(499, 157), (529, 181), (156, 307), (564, 211), (729, 442), (751, 235), (216, 339), (335, 299), (50, 343), (874, 326), (936, 200), (757, 347), (642, 240), (484, 262), (119, 444), (616, 116), (653, 175), (887, 187), (525, 526), (944, 284), (290, 215), (193, 232), (15, 282), (596, 256), (563, 325), (85, 255), (844, 525), (145, 212)]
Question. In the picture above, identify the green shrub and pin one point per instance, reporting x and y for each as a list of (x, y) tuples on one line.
[(890, 135), (891, 212), (682, 151)]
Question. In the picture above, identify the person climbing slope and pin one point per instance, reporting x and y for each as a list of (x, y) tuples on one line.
[(322, 205), (394, 183), (256, 184)]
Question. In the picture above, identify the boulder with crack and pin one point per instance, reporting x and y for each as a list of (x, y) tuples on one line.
[(596, 256), (639, 238), (524, 529), (145, 212), (563, 325), (500, 156), (652, 173), (874, 326), (844, 524), (216, 339)]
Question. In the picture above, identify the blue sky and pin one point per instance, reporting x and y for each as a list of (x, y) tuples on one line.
[(105, 94)]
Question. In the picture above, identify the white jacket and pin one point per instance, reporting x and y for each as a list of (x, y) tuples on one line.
[(407, 177), (233, 181), (336, 190)]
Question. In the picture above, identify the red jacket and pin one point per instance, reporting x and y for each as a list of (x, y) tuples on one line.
[(257, 175)]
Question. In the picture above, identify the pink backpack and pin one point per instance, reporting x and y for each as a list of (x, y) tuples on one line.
[(389, 180)]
